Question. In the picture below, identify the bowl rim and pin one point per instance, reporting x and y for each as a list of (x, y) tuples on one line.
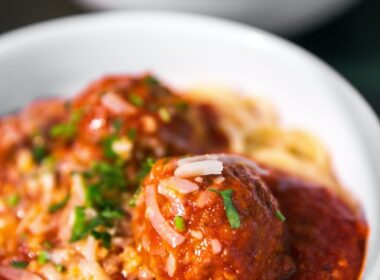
[(245, 33)]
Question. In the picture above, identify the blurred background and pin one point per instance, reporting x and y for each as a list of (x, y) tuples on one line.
[(344, 33)]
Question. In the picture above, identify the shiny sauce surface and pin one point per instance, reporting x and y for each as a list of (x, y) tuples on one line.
[(326, 238)]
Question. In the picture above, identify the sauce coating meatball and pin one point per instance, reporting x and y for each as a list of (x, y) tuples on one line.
[(209, 217)]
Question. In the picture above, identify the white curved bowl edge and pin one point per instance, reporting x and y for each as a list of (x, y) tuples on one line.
[(62, 56)]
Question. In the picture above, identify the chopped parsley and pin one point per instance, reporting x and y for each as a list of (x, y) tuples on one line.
[(19, 264), (132, 201), (112, 213), (47, 245), (179, 223), (104, 236), (132, 134), (182, 106), (145, 169), (13, 200), (231, 212), (69, 129), (82, 226), (107, 147), (117, 124), (59, 268), (164, 114), (104, 182), (79, 230), (280, 216), (146, 166), (60, 205), (43, 257), (151, 81), (136, 100), (39, 152)]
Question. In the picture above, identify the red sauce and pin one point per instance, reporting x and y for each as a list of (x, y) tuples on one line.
[(326, 238)]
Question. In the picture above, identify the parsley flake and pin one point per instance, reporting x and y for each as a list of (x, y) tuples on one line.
[(132, 134), (136, 100), (117, 125), (151, 81), (231, 212), (69, 129), (43, 257), (280, 216), (13, 200), (60, 205), (19, 264), (179, 223), (59, 268), (164, 115), (104, 236)]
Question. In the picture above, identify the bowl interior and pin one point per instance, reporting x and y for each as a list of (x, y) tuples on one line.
[(61, 57)]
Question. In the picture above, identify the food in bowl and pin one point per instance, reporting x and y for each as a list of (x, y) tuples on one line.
[(131, 180)]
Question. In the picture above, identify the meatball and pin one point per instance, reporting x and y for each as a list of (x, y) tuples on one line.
[(209, 217)]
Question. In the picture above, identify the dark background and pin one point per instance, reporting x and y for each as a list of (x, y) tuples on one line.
[(349, 43)]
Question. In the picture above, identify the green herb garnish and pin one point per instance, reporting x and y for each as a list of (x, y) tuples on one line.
[(146, 166), (280, 216), (151, 81), (69, 129), (60, 205), (19, 264), (13, 200), (107, 147), (117, 124), (83, 227), (231, 212), (164, 115), (182, 106), (132, 201), (104, 182), (79, 227), (59, 268), (104, 236), (145, 169), (112, 213), (136, 100), (179, 223), (47, 245), (39, 152), (42, 257), (132, 134)]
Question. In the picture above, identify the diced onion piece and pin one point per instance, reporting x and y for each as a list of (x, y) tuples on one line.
[(25, 160), (216, 246), (177, 207), (219, 180), (196, 158), (198, 180), (158, 221), (180, 185), (117, 105), (204, 199), (49, 272), (199, 168), (10, 273), (145, 274), (171, 265), (196, 234), (122, 147), (92, 270)]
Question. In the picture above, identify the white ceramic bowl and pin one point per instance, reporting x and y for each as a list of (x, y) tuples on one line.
[(64, 55), (286, 17)]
